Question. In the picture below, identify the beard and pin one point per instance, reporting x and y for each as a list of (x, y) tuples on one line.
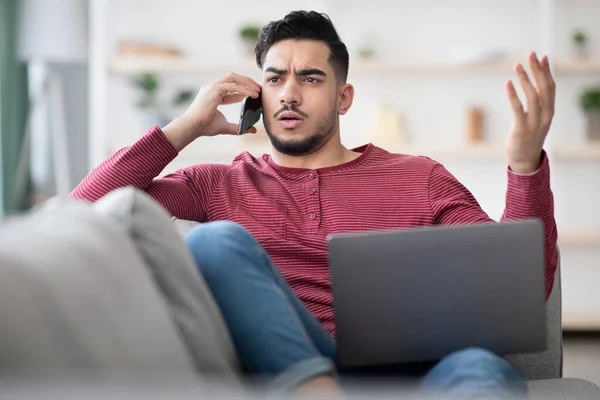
[(306, 145)]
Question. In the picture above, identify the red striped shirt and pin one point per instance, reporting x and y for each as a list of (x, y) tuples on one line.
[(291, 211)]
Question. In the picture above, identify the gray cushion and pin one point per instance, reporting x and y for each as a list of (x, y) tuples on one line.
[(190, 302), (553, 389), (546, 364), (75, 296)]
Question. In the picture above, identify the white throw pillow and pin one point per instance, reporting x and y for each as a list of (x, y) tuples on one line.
[(77, 298), (192, 306)]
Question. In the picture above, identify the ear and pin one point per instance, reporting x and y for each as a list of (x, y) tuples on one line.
[(345, 97)]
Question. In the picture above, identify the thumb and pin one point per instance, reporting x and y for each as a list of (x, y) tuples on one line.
[(232, 129)]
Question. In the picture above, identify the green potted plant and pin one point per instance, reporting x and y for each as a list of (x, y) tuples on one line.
[(589, 101), (580, 42), (249, 36)]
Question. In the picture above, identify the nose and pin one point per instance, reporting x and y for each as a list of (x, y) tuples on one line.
[(290, 93)]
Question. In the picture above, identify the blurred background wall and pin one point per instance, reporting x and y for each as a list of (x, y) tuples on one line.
[(75, 78), (428, 74), (425, 73)]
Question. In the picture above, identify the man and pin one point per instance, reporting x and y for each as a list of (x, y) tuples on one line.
[(311, 186)]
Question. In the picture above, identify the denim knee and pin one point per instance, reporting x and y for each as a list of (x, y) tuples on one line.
[(213, 232), (218, 246), (480, 358), (474, 367), (472, 355)]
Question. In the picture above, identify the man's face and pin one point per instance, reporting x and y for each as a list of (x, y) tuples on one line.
[(299, 96)]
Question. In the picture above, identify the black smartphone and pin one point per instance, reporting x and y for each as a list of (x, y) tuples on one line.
[(251, 112)]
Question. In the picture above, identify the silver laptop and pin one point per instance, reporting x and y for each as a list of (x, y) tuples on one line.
[(418, 294)]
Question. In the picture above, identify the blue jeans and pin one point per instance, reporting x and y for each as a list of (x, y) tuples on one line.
[(277, 338)]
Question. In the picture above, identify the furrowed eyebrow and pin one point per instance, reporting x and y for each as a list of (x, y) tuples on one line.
[(310, 71), (276, 71), (302, 72)]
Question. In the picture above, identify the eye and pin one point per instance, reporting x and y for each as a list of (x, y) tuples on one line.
[(273, 79), (310, 79)]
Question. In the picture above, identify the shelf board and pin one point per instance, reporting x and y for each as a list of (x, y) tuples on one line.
[(580, 322), (175, 64), (589, 152), (570, 67), (382, 67), (579, 238), (179, 64)]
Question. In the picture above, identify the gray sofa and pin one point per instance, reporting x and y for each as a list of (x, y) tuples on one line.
[(106, 297)]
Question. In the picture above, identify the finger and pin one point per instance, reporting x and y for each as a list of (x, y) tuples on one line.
[(240, 79), (547, 96), (533, 102), (232, 77), (232, 98), (541, 82), (543, 89), (232, 129), (225, 89), (551, 83), (515, 102)]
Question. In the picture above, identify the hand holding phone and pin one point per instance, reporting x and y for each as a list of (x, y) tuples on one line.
[(202, 118)]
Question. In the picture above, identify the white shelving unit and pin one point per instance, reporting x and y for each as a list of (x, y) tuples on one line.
[(589, 152), (106, 68), (188, 65), (581, 322), (176, 64), (585, 238), (570, 67)]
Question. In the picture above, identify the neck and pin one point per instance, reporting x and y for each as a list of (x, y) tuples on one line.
[(332, 153)]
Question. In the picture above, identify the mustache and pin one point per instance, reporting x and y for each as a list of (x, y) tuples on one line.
[(291, 108)]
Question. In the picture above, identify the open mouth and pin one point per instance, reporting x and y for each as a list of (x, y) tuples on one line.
[(290, 119)]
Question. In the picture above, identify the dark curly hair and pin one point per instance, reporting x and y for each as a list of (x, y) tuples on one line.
[(305, 25)]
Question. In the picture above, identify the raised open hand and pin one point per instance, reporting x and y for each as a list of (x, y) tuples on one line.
[(530, 126)]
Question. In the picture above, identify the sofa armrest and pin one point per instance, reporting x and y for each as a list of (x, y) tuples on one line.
[(566, 388)]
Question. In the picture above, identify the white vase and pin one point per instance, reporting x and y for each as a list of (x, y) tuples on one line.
[(593, 125)]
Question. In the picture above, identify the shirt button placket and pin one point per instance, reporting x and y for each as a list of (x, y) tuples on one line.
[(314, 202)]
